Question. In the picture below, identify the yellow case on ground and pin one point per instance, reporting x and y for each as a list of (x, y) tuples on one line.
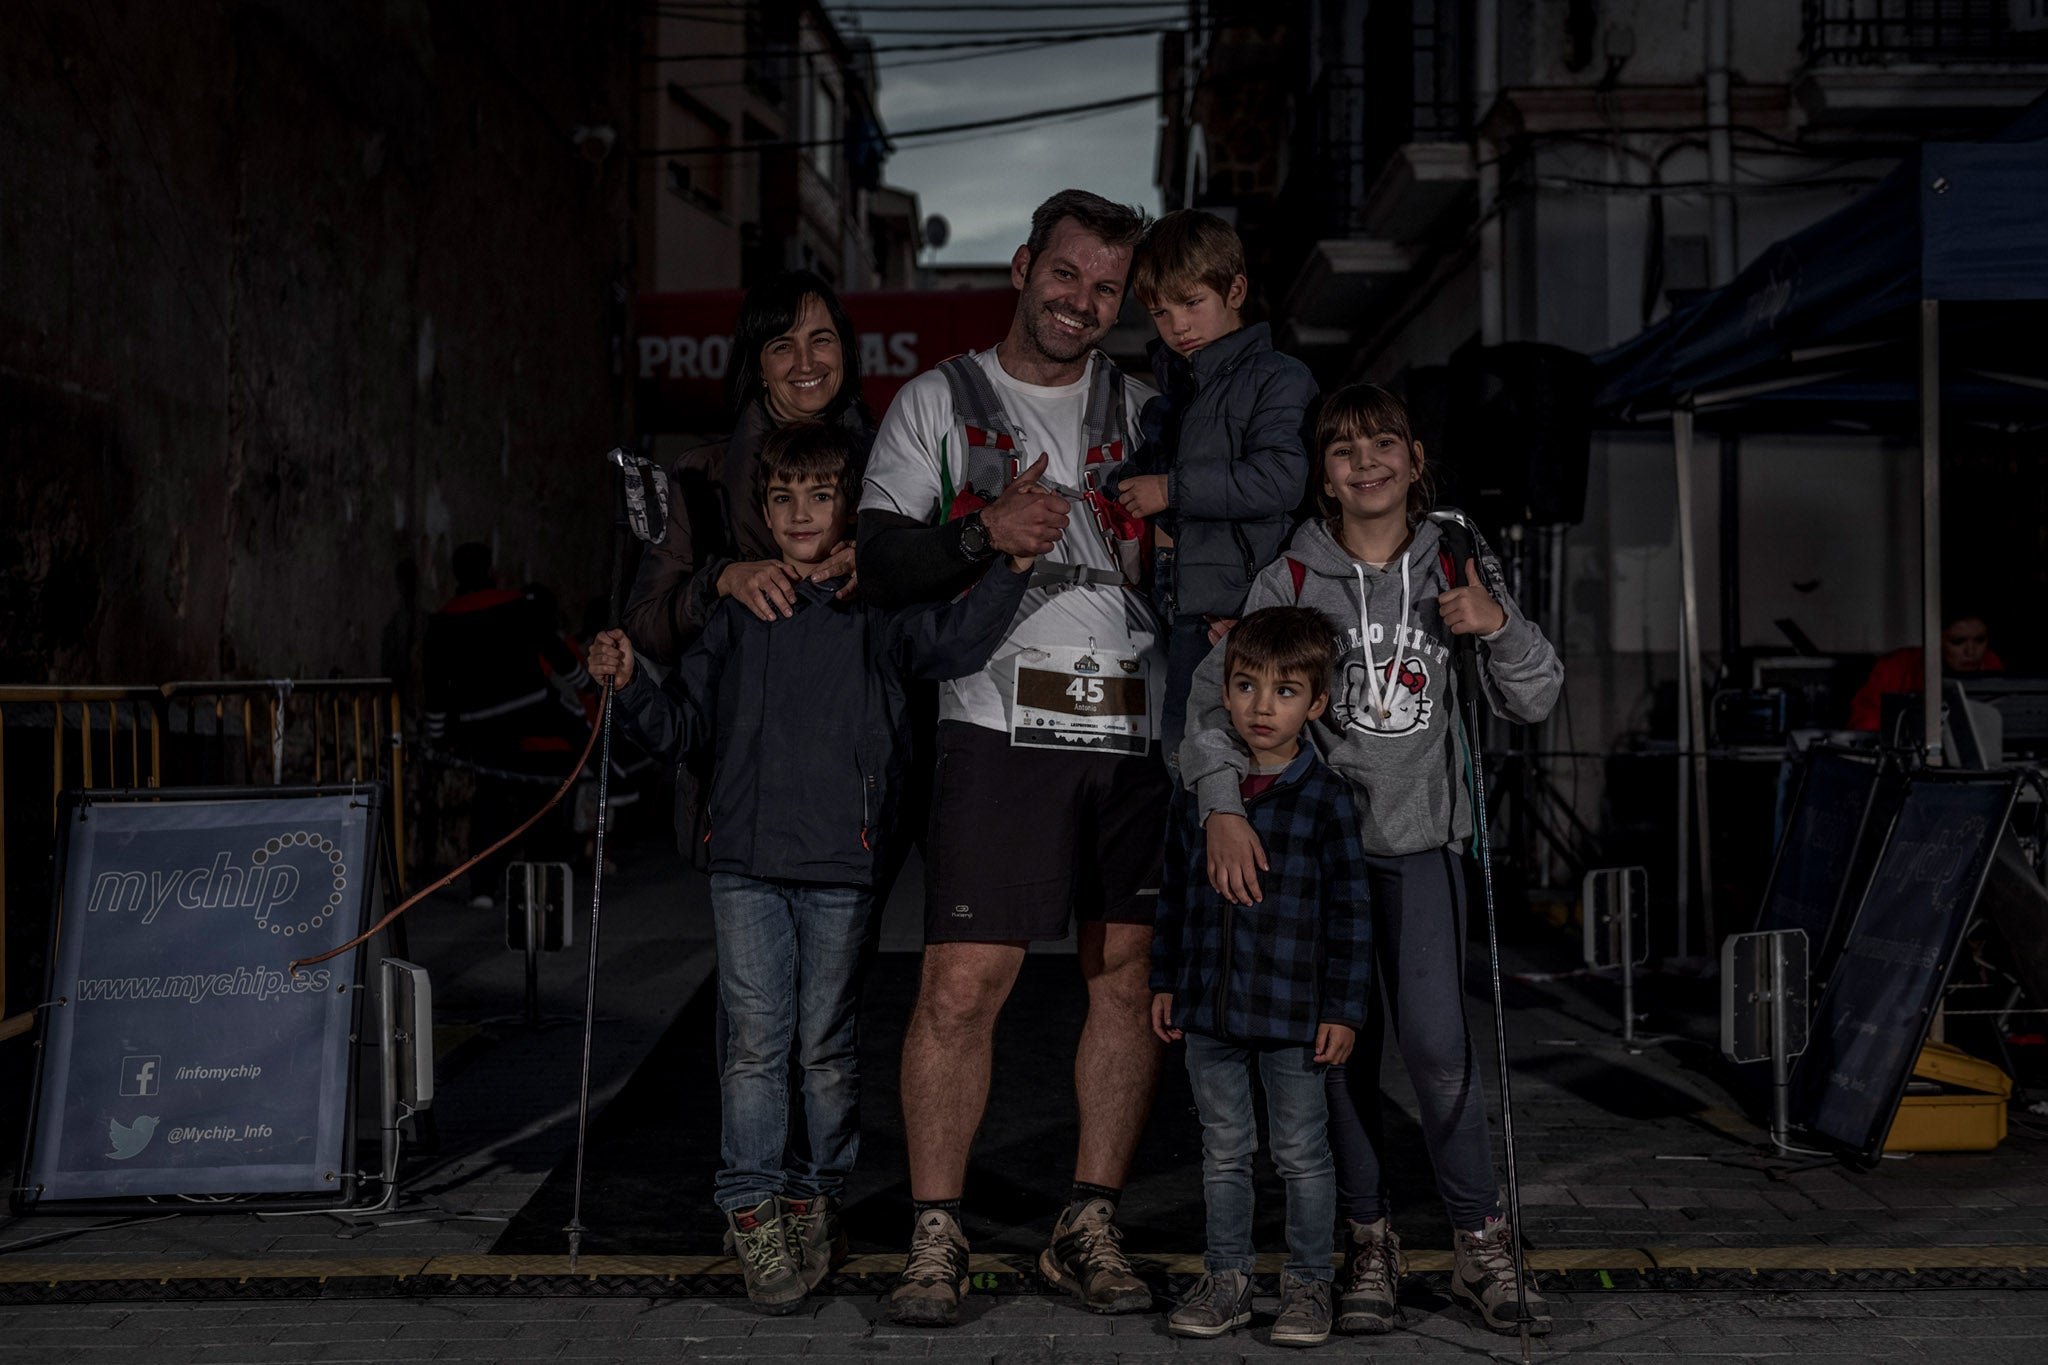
[(1970, 1120)]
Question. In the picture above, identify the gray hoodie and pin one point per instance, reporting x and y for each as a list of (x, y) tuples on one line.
[(1390, 727)]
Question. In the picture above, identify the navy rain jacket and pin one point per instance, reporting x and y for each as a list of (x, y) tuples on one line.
[(809, 722)]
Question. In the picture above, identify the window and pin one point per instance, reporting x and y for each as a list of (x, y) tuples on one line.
[(703, 179)]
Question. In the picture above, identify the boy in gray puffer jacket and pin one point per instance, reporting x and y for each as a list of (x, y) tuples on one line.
[(1224, 463)]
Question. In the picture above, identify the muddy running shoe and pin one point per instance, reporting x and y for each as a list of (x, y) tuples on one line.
[(816, 1239), (775, 1282), (1371, 1279), (1304, 1313), (1087, 1261), (1484, 1278), (935, 1277), (1219, 1303)]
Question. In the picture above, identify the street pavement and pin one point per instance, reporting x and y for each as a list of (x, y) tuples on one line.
[(1659, 1234)]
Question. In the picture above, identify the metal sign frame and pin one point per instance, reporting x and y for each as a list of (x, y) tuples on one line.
[(1869, 1149), (74, 805)]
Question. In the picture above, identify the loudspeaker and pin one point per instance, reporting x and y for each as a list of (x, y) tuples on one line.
[(1518, 433)]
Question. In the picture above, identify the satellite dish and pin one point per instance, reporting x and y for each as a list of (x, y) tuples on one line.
[(937, 231)]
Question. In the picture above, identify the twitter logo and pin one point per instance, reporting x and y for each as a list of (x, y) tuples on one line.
[(129, 1139)]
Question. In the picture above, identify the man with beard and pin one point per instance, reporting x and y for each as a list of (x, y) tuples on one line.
[(1050, 801)]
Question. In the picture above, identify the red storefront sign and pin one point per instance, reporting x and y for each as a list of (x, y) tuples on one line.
[(685, 344)]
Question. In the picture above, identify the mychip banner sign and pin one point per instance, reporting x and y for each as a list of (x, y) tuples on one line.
[(180, 1056)]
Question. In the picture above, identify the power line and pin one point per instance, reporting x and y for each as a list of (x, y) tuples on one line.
[(1027, 7), (884, 67), (975, 125), (955, 44)]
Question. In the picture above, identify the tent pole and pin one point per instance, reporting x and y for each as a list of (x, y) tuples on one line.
[(1692, 728), (1930, 527)]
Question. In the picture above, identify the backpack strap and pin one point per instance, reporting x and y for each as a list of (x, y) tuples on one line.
[(1103, 423), (1298, 571), (974, 397)]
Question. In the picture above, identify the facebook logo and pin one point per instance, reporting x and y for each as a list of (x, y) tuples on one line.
[(139, 1075)]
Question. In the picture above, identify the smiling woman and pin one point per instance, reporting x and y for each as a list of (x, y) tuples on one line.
[(795, 358)]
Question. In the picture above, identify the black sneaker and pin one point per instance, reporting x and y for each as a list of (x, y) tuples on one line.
[(1087, 1261), (1371, 1279), (1219, 1303), (1304, 1318), (935, 1275), (775, 1282), (815, 1236)]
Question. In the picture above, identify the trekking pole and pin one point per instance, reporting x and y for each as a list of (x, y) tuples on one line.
[(1468, 688), (640, 503)]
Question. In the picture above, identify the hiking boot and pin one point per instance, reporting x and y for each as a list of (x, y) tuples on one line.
[(1484, 1277), (775, 1282), (816, 1239), (934, 1277), (1086, 1260), (1304, 1318), (1371, 1279), (1220, 1302)]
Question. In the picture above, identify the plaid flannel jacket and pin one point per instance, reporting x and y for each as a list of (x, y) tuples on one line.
[(1270, 972)]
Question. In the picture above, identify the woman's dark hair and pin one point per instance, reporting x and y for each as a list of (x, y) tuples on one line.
[(772, 308)]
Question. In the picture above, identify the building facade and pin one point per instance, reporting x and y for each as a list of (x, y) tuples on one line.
[(1422, 181)]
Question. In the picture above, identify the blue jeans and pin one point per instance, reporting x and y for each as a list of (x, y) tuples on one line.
[(789, 967), (1297, 1120)]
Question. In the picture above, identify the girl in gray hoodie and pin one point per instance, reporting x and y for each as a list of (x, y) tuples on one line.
[(1376, 566)]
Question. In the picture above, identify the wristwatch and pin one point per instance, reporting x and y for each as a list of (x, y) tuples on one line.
[(974, 541)]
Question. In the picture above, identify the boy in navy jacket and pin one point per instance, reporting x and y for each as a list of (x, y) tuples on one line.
[(1279, 983), (807, 720)]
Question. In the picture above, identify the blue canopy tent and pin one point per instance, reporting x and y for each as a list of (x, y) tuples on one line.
[(1822, 326)]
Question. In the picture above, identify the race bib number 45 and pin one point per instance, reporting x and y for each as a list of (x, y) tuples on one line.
[(1080, 699)]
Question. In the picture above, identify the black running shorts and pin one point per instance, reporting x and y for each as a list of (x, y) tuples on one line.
[(1021, 838)]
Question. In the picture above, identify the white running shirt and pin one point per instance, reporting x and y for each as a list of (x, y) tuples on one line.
[(904, 476)]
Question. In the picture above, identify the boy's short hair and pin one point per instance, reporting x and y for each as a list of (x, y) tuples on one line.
[(1284, 640), (1185, 248), (799, 451)]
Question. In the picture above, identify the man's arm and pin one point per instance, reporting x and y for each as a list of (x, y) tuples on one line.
[(957, 638), (903, 561)]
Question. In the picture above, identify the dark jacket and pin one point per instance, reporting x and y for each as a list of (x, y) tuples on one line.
[(1230, 432), (714, 520), (1301, 957), (807, 720)]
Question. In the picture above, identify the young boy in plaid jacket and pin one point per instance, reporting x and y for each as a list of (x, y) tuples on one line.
[(1279, 984)]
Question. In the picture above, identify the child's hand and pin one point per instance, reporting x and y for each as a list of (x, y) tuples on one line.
[(1143, 495), (1162, 1018), (611, 658), (1219, 626), (1470, 610), (1333, 1043), (1022, 563), (1236, 858)]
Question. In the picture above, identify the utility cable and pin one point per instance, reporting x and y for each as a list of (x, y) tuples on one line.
[(950, 45), (973, 125)]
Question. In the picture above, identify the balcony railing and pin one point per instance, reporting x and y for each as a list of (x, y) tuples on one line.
[(1840, 33)]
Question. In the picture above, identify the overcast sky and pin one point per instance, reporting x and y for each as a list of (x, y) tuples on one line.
[(986, 184)]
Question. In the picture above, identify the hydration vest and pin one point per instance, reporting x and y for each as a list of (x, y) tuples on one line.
[(994, 458)]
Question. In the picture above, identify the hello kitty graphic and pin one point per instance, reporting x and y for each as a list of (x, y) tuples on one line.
[(1405, 697)]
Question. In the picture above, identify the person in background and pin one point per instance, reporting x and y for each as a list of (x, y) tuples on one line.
[(1965, 649), (491, 660)]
